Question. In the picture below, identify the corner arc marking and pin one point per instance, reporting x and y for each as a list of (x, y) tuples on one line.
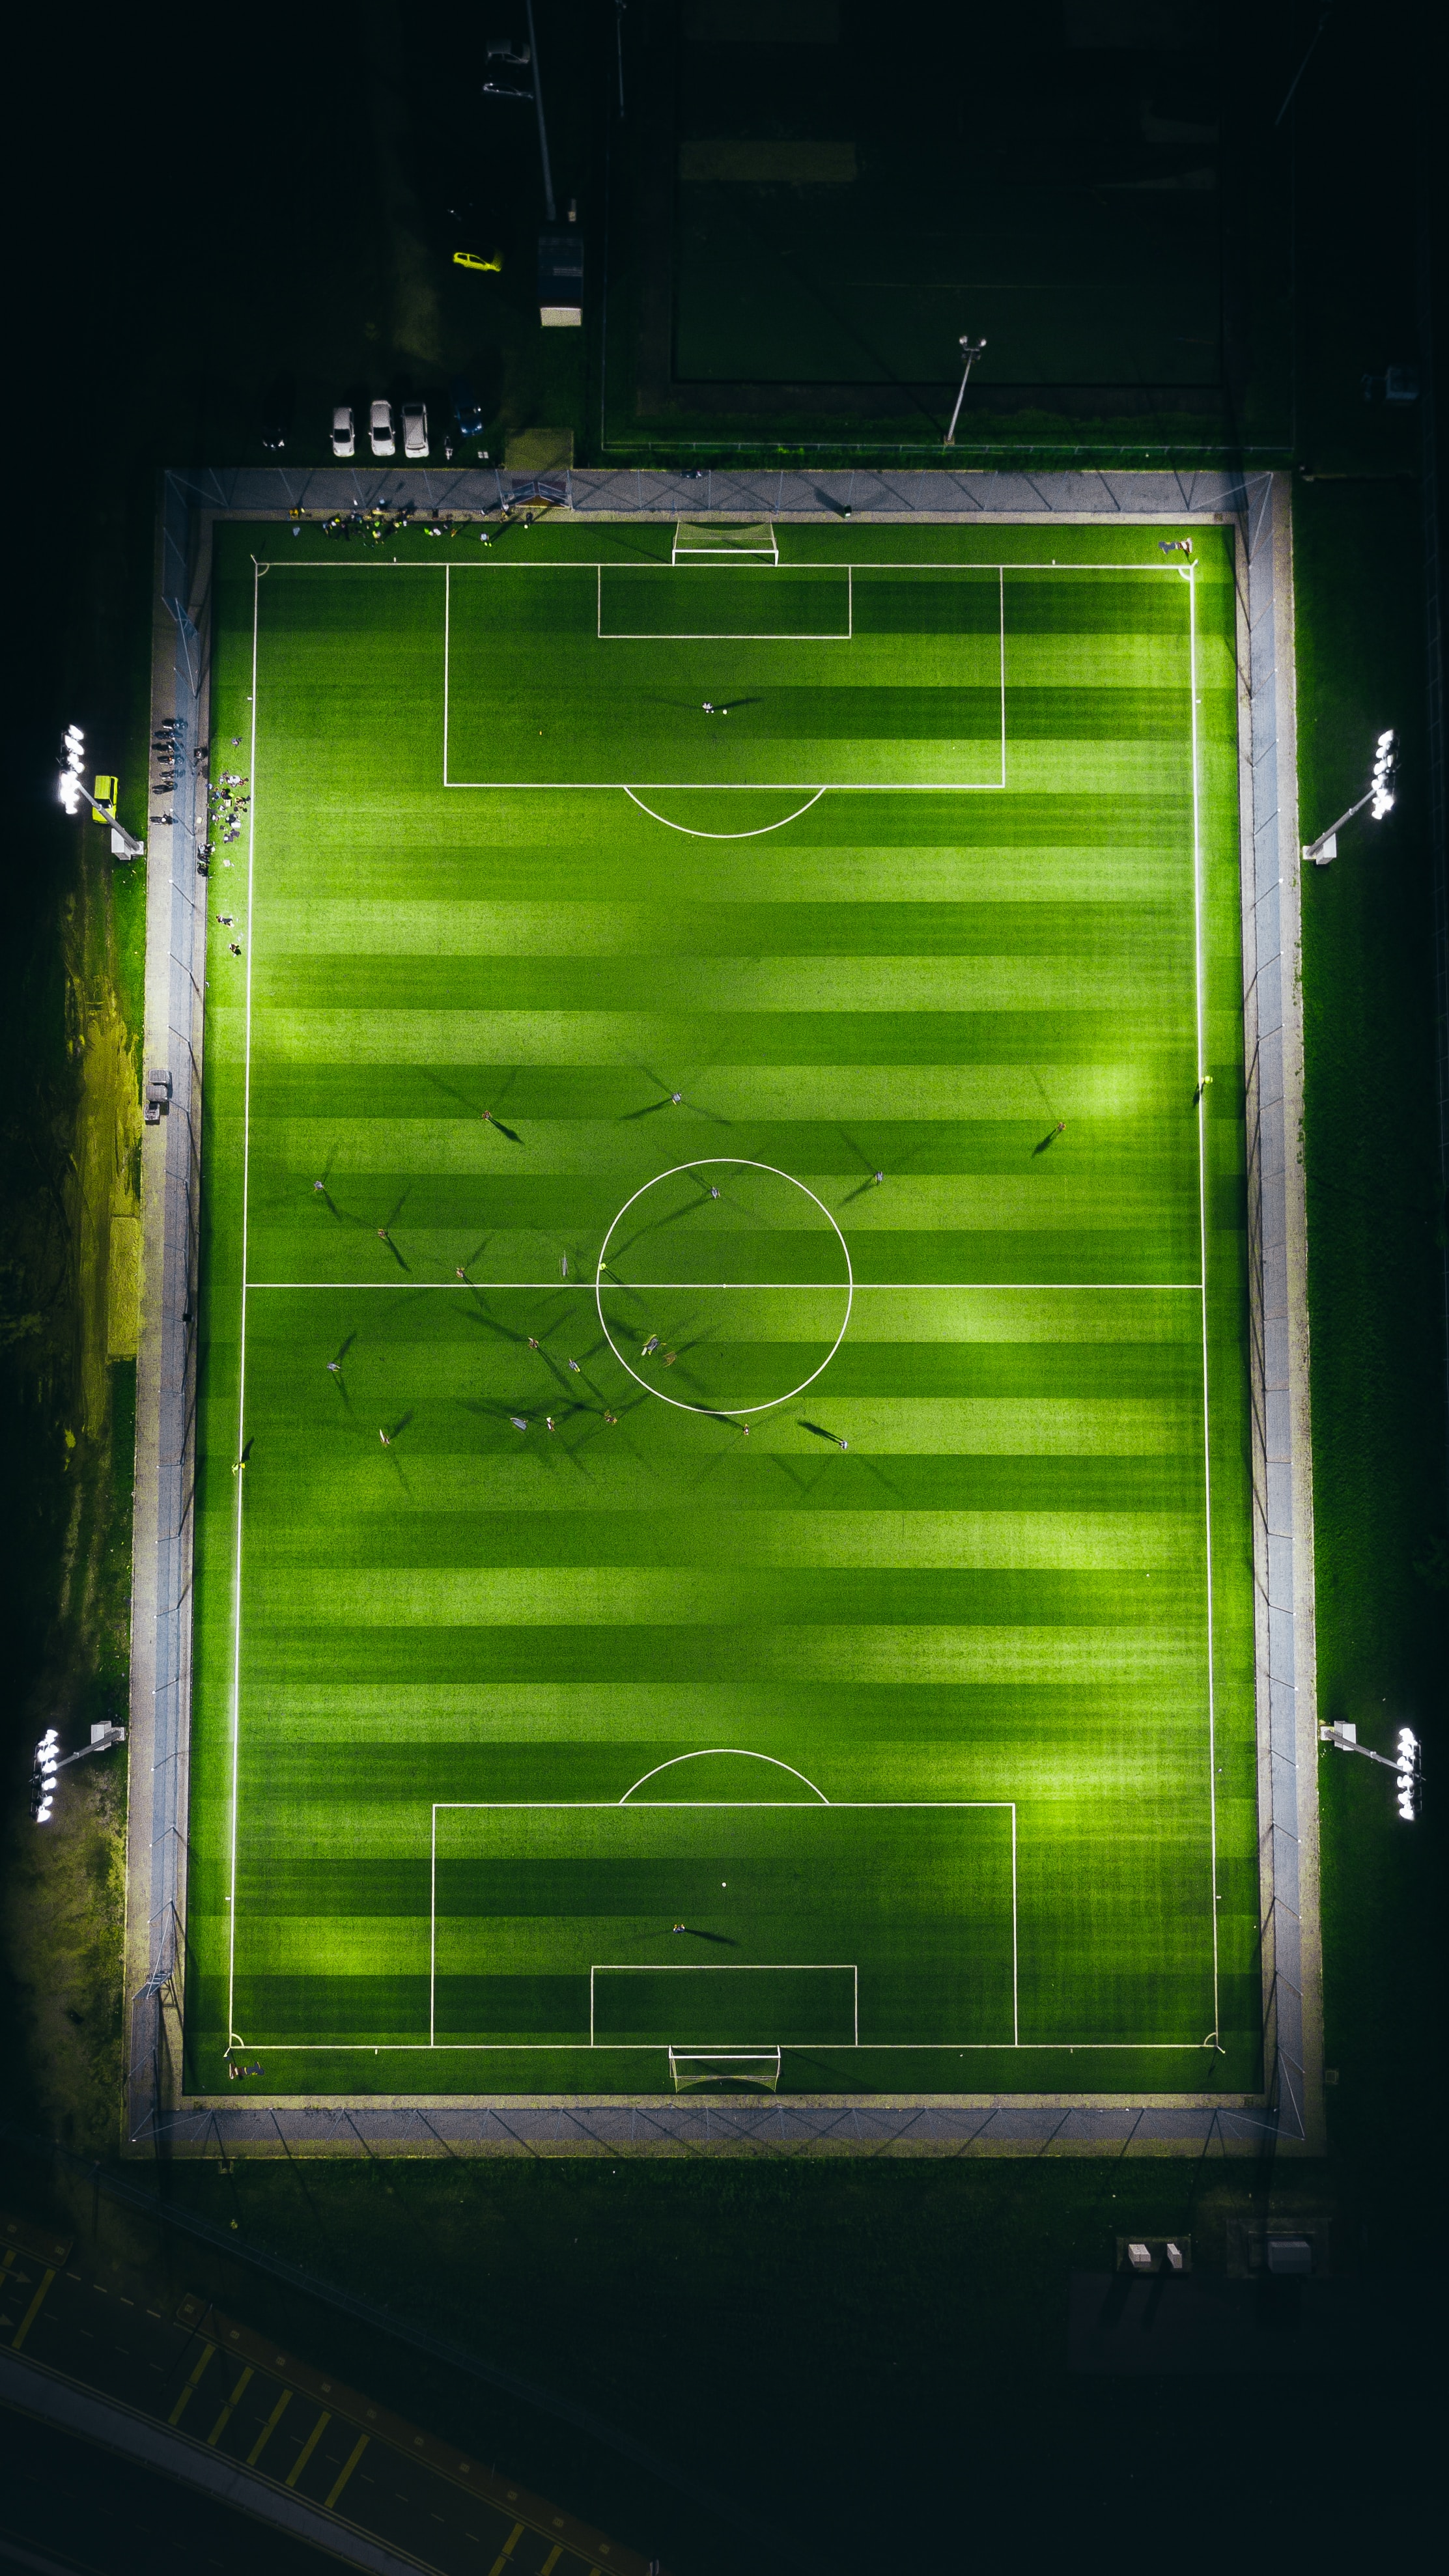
[(740, 1753)]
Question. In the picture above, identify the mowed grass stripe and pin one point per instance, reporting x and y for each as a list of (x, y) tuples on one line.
[(338, 984), (317, 929), (466, 1035)]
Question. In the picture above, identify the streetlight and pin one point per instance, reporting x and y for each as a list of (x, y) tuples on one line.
[(970, 351), (1403, 1762), (74, 793), (1379, 794)]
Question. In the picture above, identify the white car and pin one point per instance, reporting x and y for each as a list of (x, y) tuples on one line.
[(380, 430), (415, 430), (344, 431)]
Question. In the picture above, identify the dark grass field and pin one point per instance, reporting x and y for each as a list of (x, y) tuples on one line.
[(961, 1575)]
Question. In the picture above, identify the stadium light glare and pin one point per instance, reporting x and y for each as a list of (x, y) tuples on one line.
[(1379, 795), (73, 748), (74, 793)]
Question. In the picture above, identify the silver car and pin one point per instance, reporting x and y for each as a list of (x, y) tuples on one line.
[(381, 431), (415, 430), (344, 431)]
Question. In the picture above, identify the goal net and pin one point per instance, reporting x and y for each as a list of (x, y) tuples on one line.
[(693, 2067), (725, 541)]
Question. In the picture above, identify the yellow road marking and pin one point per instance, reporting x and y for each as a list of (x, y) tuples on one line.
[(308, 2447), (551, 2561), (184, 2400), (507, 2550), (229, 2409), (31, 2313), (346, 2474), (269, 2428)]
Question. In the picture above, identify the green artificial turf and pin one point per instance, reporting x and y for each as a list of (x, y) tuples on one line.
[(878, 1587)]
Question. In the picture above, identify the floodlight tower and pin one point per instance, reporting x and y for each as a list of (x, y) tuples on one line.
[(74, 793), (1405, 1761), (49, 1759), (1379, 794), (970, 351)]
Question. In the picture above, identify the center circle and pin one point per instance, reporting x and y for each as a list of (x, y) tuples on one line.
[(717, 1278)]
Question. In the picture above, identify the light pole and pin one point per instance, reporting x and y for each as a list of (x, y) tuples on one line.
[(1379, 793), (74, 793), (49, 1759), (549, 207), (970, 351), (1404, 1763)]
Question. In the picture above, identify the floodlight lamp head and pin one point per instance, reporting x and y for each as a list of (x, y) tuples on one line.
[(1386, 763)]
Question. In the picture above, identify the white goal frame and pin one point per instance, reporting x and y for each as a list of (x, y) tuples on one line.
[(725, 2066), (725, 549)]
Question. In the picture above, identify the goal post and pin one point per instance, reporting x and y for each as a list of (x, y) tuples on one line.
[(725, 541), (692, 2067)]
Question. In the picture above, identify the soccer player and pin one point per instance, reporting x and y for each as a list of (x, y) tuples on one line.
[(650, 1347)]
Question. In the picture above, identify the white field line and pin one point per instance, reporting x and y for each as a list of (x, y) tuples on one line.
[(562, 2047), (764, 1287), (1207, 1471), (447, 661), (433, 1933), (242, 1335), (590, 563), (1015, 1945)]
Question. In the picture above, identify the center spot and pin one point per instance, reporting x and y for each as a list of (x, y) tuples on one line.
[(739, 1278)]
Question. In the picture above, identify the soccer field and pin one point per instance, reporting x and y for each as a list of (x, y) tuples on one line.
[(731, 1295)]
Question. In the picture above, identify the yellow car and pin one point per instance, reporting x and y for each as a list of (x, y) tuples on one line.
[(104, 793), (475, 259)]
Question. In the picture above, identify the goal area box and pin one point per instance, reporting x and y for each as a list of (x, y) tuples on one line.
[(723, 1927)]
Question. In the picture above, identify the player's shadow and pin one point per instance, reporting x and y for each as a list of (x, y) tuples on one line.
[(696, 1932), (1048, 1139), (672, 1097), (385, 1231), (479, 1312), (819, 1432)]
